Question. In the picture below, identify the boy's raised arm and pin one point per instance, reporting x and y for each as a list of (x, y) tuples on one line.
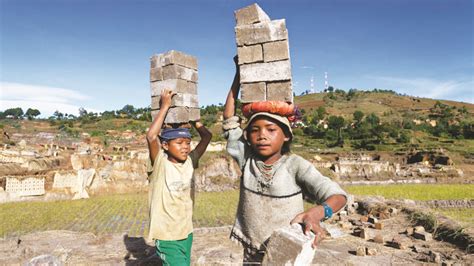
[(206, 137), (152, 139), (229, 108)]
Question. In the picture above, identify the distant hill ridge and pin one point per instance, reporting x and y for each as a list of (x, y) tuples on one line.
[(384, 104)]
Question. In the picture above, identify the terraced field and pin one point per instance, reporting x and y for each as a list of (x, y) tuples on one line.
[(128, 212)]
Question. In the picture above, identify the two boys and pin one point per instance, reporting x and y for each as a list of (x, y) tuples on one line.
[(272, 179)]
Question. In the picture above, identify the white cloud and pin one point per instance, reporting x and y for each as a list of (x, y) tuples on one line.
[(429, 88), (46, 99)]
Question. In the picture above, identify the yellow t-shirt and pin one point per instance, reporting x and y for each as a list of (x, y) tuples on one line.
[(170, 197)]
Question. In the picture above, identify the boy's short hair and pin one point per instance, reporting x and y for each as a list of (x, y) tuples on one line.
[(173, 133)]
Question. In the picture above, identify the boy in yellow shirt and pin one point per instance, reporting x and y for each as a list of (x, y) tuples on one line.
[(170, 171)]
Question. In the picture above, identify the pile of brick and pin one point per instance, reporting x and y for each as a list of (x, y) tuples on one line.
[(264, 57), (178, 72)]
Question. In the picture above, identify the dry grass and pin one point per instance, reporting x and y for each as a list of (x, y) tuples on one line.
[(129, 212), (416, 191)]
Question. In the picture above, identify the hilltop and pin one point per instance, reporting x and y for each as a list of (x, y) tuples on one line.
[(385, 104)]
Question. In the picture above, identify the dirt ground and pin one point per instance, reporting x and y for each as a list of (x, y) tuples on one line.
[(213, 246)]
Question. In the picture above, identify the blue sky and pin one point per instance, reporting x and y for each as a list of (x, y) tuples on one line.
[(66, 54)]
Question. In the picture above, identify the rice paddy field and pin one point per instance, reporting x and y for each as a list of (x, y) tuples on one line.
[(129, 212)]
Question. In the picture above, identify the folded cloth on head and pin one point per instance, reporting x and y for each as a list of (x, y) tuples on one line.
[(273, 107)]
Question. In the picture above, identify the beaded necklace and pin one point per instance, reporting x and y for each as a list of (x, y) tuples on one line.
[(264, 174)]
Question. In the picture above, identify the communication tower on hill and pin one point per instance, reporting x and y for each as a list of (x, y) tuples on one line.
[(312, 84), (326, 84)]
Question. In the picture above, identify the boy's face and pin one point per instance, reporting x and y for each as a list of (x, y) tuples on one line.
[(266, 137), (177, 149)]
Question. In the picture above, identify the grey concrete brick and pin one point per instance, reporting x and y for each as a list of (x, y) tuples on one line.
[(253, 92), (155, 102), (179, 99), (173, 57), (157, 60), (289, 246), (177, 85), (271, 31), (194, 114), (273, 71), (250, 54), (275, 51), (250, 14), (174, 115), (179, 72), (280, 91), (156, 74)]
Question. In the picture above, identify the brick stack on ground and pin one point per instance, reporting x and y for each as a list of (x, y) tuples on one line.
[(264, 57), (176, 71)]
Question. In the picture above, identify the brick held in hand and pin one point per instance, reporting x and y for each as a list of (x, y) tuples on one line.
[(250, 15), (271, 31), (288, 245), (177, 85)]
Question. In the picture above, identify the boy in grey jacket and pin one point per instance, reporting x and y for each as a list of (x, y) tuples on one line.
[(273, 180)]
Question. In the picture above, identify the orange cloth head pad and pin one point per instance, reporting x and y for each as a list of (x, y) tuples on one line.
[(273, 107)]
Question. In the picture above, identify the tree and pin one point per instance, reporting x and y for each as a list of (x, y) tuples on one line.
[(337, 123), (358, 115), (351, 94), (82, 112), (463, 110), (129, 110), (108, 114), (455, 131), (404, 137), (372, 119), (468, 130), (317, 115), (16, 113), (58, 115), (32, 113)]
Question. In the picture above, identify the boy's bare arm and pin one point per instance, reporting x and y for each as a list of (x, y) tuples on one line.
[(152, 139), (311, 218), (229, 108), (206, 137)]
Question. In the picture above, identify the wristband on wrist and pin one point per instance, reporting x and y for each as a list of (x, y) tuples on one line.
[(327, 211)]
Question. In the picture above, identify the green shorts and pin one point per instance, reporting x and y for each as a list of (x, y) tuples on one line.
[(175, 252)]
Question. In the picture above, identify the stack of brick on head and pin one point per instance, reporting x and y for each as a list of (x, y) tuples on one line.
[(264, 63), (177, 72), (175, 108)]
